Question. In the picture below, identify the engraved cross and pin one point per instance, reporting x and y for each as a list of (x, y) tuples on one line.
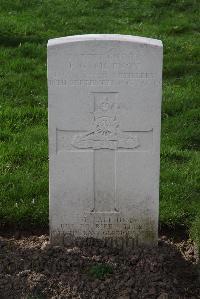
[(105, 139)]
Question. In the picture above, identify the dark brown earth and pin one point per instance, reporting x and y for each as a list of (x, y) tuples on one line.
[(31, 268)]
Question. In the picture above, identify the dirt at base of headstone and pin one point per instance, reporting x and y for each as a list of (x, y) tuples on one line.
[(30, 268)]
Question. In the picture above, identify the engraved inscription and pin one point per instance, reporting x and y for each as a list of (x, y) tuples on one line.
[(98, 225), (123, 78)]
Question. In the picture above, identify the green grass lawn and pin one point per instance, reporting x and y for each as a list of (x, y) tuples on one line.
[(25, 27)]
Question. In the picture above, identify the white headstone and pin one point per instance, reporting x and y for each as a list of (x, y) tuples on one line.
[(104, 138)]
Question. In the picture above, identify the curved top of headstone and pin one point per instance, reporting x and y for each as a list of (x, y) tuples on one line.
[(103, 37)]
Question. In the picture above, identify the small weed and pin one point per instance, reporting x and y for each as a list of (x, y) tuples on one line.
[(100, 271)]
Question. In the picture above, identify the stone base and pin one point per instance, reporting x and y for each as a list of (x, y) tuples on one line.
[(124, 244)]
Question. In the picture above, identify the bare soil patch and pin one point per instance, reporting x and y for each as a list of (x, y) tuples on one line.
[(31, 268)]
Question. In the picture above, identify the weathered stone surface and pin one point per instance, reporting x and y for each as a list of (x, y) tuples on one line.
[(104, 138)]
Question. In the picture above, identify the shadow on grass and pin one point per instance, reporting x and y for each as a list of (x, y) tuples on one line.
[(9, 40)]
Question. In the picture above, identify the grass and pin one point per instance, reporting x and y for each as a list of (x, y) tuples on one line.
[(25, 27)]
